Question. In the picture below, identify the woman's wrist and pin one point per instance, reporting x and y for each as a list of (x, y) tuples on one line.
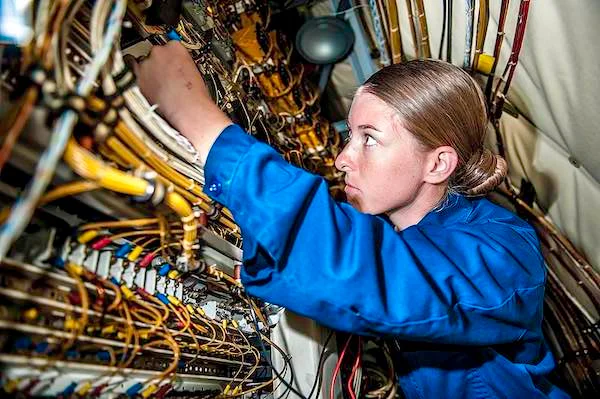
[(201, 128)]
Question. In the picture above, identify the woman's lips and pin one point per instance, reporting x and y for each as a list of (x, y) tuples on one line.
[(350, 188)]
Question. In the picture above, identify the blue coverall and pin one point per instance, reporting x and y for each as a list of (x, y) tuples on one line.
[(462, 290)]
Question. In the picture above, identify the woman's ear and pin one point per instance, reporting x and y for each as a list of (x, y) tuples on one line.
[(441, 163)]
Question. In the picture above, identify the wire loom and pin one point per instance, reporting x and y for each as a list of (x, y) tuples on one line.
[(104, 130)]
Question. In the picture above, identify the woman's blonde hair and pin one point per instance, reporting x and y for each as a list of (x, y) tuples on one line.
[(440, 104)]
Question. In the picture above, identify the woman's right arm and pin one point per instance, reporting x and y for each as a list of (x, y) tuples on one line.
[(457, 283)]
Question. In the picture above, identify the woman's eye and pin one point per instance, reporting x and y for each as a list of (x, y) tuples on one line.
[(370, 141)]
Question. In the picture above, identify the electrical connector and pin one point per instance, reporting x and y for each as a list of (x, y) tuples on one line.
[(71, 324), (173, 274), (69, 390), (134, 389), (149, 391), (190, 309), (162, 298), (135, 253), (163, 391), (23, 343), (87, 236), (42, 347), (126, 292), (85, 388), (101, 243), (11, 385), (146, 260), (164, 270), (103, 356), (31, 314), (75, 269), (174, 300), (123, 250), (111, 329), (97, 391)]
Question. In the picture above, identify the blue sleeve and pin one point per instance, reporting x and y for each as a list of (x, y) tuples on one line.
[(463, 283)]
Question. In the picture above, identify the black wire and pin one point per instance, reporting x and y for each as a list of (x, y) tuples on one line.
[(318, 377), (449, 33), (443, 30), (267, 358)]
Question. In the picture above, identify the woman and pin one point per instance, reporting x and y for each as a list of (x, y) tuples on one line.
[(458, 281)]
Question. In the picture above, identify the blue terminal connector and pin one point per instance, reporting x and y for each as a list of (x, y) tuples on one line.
[(42, 347), (114, 280), (123, 250), (103, 356), (164, 270), (163, 298), (23, 343), (58, 262), (70, 390), (134, 389), (172, 35)]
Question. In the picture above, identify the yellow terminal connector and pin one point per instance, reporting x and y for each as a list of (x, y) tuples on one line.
[(109, 329), (11, 385), (71, 324), (200, 311), (75, 269), (190, 309), (135, 253), (31, 314), (235, 323), (87, 236), (173, 274), (224, 323), (84, 389), (146, 393), (236, 390), (126, 292), (485, 63), (173, 300), (121, 335), (226, 390)]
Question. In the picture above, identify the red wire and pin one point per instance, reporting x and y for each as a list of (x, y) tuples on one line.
[(337, 367), (354, 369)]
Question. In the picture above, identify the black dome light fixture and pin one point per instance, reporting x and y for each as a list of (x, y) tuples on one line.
[(325, 40)]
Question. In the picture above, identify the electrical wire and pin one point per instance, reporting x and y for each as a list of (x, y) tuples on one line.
[(265, 354), (24, 207), (449, 32), (337, 367), (469, 15), (319, 375)]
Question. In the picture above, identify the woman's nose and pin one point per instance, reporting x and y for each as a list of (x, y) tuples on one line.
[(344, 161)]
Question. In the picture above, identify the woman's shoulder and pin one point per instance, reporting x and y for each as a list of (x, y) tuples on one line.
[(469, 222), (458, 210)]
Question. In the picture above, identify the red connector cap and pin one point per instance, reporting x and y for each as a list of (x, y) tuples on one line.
[(101, 243), (146, 259), (162, 391)]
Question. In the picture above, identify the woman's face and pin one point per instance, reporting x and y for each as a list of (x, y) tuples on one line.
[(384, 163)]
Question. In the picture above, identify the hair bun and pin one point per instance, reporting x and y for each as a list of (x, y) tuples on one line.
[(484, 171)]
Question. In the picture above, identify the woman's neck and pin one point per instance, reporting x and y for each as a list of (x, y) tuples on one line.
[(426, 199)]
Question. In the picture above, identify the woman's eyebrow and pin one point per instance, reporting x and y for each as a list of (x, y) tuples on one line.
[(368, 126)]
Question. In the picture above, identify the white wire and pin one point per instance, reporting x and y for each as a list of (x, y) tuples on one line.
[(23, 208)]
